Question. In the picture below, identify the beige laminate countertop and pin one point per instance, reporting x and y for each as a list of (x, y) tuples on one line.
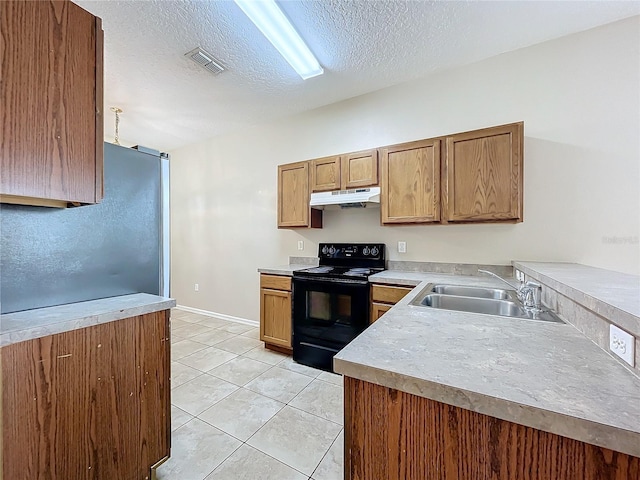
[(547, 376), (286, 270), (41, 322)]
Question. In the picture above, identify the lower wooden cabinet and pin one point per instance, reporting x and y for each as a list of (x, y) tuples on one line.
[(275, 311), (390, 434), (92, 403), (383, 297)]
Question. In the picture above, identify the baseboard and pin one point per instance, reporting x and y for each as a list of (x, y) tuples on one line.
[(245, 321)]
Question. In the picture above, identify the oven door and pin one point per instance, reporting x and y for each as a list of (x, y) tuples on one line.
[(327, 314)]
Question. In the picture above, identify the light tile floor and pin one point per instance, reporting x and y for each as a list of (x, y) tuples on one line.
[(240, 411)]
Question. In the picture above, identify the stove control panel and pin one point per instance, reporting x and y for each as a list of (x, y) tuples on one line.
[(368, 251)]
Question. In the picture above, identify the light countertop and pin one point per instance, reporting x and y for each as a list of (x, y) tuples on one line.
[(41, 322), (544, 375), (285, 269)]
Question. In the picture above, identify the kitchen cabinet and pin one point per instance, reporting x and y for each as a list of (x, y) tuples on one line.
[(410, 182), (481, 179), (394, 434), (325, 174), (352, 170), (91, 403), (482, 175), (383, 297), (293, 197), (275, 311), (51, 137), (359, 169)]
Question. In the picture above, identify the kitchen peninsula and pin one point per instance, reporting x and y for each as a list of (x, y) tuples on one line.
[(432, 393), (85, 389)]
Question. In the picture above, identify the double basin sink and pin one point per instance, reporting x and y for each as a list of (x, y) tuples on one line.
[(491, 301)]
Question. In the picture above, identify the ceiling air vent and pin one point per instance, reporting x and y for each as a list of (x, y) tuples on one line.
[(205, 60)]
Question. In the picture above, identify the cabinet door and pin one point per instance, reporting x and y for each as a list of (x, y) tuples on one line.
[(410, 179), (51, 130), (293, 195), (325, 174), (377, 310), (91, 403), (275, 317), (360, 169), (483, 175)]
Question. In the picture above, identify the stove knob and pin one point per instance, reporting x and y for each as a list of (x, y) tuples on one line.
[(375, 251), (324, 250), (332, 250), (365, 251)]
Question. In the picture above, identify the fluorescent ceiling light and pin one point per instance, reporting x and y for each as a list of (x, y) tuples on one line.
[(276, 27)]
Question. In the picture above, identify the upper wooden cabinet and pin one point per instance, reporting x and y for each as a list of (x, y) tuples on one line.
[(410, 180), (466, 177), (51, 137), (353, 170), (293, 197), (360, 169), (325, 174), (482, 175)]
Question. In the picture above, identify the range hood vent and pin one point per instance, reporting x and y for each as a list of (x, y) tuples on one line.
[(354, 198)]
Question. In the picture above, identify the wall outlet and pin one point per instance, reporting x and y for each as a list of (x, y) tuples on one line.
[(300, 245), (196, 287), (519, 276), (622, 344), (402, 247)]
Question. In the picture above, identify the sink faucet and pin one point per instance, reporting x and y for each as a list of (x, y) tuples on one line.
[(530, 293)]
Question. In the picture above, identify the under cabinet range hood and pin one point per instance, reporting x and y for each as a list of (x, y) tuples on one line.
[(357, 197)]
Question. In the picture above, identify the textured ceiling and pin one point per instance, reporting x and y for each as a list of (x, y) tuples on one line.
[(363, 45)]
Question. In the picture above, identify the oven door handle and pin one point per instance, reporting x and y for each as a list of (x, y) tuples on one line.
[(330, 280)]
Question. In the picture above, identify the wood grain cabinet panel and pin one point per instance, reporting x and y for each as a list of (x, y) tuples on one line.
[(383, 297), (325, 174), (393, 435), (51, 131), (482, 175), (88, 404), (360, 169), (410, 180), (377, 310), (293, 197), (275, 313)]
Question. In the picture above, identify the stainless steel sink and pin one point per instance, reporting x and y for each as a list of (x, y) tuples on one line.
[(490, 301), (479, 292), (489, 306)]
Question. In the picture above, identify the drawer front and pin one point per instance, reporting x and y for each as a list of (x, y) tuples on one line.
[(388, 294), (275, 282)]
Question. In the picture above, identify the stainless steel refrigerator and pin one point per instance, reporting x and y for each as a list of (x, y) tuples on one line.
[(54, 256)]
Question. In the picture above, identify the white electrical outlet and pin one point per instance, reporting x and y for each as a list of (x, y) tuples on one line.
[(519, 276), (196, 287), (402, 247), (300, 245), (621, 343)]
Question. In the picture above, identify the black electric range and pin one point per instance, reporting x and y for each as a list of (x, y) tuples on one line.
[(331, 301)]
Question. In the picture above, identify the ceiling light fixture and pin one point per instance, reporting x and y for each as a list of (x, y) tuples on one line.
[(274, 25)]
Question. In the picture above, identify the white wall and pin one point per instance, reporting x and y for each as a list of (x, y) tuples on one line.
[(579, 97)]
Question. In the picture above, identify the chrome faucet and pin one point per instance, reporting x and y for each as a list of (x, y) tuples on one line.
[(529, 294)]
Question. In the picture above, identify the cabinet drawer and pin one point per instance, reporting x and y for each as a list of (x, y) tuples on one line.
[(387, 294), (275, 282)]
